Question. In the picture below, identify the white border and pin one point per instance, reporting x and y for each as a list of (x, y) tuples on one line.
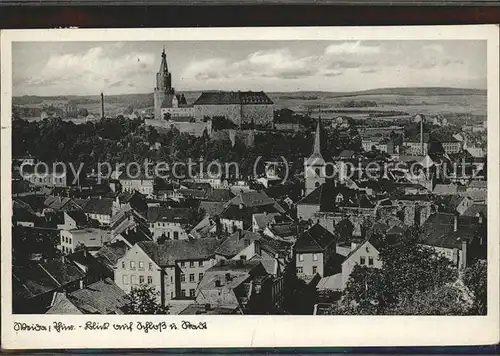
[(262, 331)]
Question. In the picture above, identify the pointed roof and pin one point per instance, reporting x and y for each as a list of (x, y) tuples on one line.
[(163, 65), (316, 158)]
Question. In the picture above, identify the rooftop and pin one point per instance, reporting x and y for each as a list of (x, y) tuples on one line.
[(231, 97), (171, 251), (317, 238)]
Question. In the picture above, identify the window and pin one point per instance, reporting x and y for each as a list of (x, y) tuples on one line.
[(191, 277), (318, 172), (243, 257), (191, 263), (315, 269), (141, 264), (171, 279), (299, 270), (200, 276), (183, 277), (183, 263), (176, 235), (70, 240), (301, 257), (133, 279), (141, 279), (370, 261), (200, 263), (362, 260), (150, 280), (183, 292), (132, 264), (171, 294), (191, 293), (123, 265), (315, 256), (125, 279), (150, 266)]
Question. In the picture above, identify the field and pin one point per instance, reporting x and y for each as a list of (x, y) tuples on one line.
[(392, 102)]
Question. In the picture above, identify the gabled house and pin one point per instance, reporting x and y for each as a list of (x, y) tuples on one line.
[(142, 183), (174, 267), (314, 251), (172, 223), (451, 235)]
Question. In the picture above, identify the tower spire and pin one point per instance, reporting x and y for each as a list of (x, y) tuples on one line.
[(317, 139)]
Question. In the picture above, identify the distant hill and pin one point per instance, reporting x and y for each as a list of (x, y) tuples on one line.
[(148, 97)]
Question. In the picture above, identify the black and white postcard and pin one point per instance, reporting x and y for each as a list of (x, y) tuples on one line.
[(244, 187)]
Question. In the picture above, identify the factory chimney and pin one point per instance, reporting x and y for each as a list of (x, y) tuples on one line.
[(102, 106), (421, 135)]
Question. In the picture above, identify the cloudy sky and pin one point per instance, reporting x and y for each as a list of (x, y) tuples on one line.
[(87, 68)]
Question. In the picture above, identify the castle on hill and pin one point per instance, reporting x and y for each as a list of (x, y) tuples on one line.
[(245, 109)]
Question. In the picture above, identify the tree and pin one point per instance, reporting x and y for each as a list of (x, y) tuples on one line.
[(409, 272), (476, 279), (144, 300)]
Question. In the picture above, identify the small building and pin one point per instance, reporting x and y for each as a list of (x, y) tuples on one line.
[(314, 250), (91, 238), (141, 182), (174, 267), (172, 223)]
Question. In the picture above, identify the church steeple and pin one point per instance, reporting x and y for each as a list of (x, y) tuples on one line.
[(164, 77), (315, 165), (317, 139)]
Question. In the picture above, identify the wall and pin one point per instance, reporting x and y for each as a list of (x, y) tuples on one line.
[(179, 111), (308, 263), (159, 96), (169, 228), (230, 111), (123, 268), (306, 212), (191, 128), (195, 269), (260, 115), (245, 136)]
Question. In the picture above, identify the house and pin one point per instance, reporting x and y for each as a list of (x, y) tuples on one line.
[(241, 287), (133, 235), (415, 146), (241, 245), (92, 238), (314, 250), (58, 203), (126, 219), (383, 145), (287, 231), (98, 208), (141, 182), (460, 204), (132, 198), (450, 235), (109, 254), (207, 227), (363, 253), (262, 220), (174, 267), (76, 219), (239, 211), (173, 223), (101, 297)]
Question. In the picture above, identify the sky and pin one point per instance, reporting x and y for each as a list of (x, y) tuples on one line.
[(88, 68)]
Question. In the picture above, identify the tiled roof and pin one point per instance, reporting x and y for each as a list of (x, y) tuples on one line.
[(236, 242), (167, 253), (177, 215), (203, 228), (102, 297), (56, 202), (445, 189), (109, 254), (136, 234), (231, 97), (219, 195), (317, 238), (63, 271), (252, 198), (102, 206), (263, 219), (481, 184), (346, 154), (212, 208), (438, 230), (475, 209)]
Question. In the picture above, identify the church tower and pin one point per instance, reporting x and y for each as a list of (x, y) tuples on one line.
[(163, 85), (315, 165)]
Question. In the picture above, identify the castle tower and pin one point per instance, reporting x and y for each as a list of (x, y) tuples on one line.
[(315, 165), (163, 85)]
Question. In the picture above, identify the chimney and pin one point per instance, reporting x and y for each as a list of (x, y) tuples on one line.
[(102, 106), (455, 223), (81, 284)]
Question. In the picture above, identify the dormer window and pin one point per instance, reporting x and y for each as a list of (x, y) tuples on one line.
[(318, 172), (339, 198)]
